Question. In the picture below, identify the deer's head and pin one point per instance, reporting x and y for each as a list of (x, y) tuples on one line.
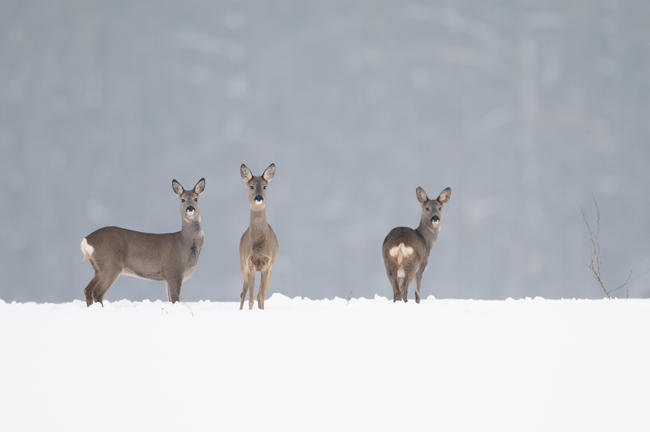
[(432, 208), (257, 185), (189, 200)]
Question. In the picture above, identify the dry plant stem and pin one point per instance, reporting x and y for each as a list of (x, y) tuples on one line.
[(595, 261)]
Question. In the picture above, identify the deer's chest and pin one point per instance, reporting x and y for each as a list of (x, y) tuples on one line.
[(192, 252), (258, 246)]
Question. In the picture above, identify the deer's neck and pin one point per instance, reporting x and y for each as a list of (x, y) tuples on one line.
[(190, 230), (428, 234), (258, 225)]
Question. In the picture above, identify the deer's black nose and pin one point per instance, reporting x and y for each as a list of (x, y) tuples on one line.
[(189, 209), (259, 198), (435, 219)]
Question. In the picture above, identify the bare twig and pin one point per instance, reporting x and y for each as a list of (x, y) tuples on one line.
[(595, 261), (624, 285)]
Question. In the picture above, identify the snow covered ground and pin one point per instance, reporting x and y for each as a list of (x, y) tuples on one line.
[(447, 365)]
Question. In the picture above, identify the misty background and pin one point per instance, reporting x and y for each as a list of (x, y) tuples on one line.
[(526, 109)]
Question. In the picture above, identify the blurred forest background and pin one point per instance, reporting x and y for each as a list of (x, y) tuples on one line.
[(526, 109)]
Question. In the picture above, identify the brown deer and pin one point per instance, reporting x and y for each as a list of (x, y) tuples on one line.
[(259, 245), (171, 257), (406, 250)]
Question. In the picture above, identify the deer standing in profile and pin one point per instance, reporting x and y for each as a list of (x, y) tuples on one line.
[(406, 250), (259, 245), (171, 257)]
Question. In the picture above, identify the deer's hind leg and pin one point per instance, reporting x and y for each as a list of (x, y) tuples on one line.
[(106, 279), (403, 287), (395, 284), (89, 290)]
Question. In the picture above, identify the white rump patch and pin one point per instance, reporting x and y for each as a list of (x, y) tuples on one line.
[(401, 252), (86, 249)]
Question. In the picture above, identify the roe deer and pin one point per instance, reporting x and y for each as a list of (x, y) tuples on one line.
[(406, 250), (259, 245), (171, 257)]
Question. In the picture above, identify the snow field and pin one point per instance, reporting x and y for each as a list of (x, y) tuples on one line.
[(367, 364)]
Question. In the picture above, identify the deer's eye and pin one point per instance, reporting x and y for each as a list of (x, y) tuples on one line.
[(264, 187), (195, 199), (252, 187), (182, 199)]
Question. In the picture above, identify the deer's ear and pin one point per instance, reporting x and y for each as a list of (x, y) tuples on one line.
[(444, 195), (246, 174), (269, 172), (421, 194), (178, 189), (199, 187)]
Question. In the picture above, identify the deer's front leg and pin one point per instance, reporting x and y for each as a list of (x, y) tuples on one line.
[(243, 293), (244, 275), (266, 278), (174, 289), (251, 288)]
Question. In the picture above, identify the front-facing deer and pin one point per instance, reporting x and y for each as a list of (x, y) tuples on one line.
[(171, 257), (406, 251), (259, 245)]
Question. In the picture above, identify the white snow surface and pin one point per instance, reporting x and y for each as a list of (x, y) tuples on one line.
[(299, 365)]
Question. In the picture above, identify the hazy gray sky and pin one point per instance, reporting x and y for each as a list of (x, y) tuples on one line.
[(526, 109)]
